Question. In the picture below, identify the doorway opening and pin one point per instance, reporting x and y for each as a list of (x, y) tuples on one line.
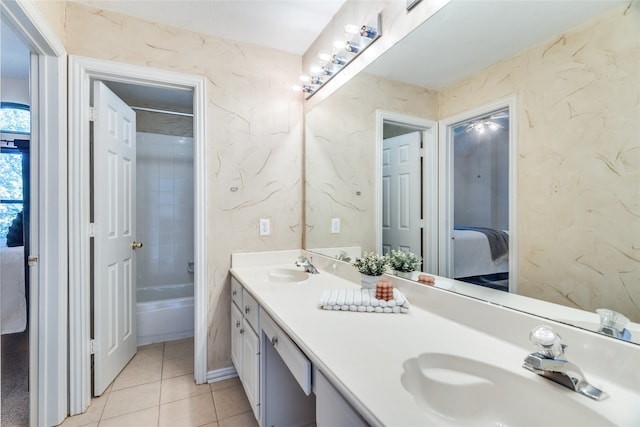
[(478, 197), (83, 72), (15, 220), (406, 186), (164, 213)]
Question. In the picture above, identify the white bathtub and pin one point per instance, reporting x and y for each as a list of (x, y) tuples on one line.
[(165, 313)]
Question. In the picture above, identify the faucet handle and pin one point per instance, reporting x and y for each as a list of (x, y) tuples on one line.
[(612, 320), (548, 341)]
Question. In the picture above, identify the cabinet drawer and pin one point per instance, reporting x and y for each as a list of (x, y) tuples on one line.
[(236, 292), (291, 355), (250, 309)]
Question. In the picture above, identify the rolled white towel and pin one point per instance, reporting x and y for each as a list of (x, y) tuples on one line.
[(333, 296), (362, 300), (357, 297), (366, 298)]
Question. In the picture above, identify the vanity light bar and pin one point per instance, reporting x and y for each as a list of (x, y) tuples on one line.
[(343, 53)]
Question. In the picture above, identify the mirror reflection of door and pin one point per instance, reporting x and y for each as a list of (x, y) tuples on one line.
[(401, 189), (480, 236)]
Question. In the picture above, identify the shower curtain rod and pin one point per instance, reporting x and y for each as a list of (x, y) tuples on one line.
[(153, 110)]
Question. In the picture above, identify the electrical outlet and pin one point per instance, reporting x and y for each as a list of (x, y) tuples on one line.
[(265, 226), (335, 225)]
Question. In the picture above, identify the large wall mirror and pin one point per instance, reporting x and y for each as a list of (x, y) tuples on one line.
[(569, 76)]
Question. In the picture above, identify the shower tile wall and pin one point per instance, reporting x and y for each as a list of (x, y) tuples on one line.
[(164, 209)]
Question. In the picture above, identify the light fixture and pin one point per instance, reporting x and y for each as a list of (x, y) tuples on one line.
[(332, 62), (364, 31), (303, 88)]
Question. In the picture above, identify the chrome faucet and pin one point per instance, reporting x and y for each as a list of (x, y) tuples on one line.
[(549, 361), (308, 267), (343, 256)]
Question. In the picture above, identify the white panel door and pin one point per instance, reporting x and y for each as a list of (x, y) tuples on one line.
[(401, 195), (114, 166)]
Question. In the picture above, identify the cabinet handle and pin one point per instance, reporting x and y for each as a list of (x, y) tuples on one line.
[(234, 292), (274, 340), (242, 331), (246, 310), (237, 323)]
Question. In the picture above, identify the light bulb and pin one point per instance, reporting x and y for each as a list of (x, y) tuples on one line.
[(315, 69), (324, 56), (305, 79), (339, 44), (352, 29)]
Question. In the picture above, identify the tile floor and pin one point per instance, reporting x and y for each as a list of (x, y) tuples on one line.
[(157, 389)]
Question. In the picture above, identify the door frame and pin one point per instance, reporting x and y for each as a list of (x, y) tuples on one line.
[(82, 71), (446, 201), (48, 277), (429, 184)]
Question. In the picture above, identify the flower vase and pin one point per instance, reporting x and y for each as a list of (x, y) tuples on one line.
[(368, 282), (405, 274)]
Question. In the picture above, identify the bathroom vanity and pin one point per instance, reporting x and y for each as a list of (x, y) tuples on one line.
[(451, 360)]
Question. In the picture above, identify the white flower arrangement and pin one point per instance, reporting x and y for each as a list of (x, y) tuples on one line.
[(371, 264), (405, 262)]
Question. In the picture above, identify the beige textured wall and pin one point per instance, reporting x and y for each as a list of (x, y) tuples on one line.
[(578, 163), (338, 142), (254, 139), (54, 12)]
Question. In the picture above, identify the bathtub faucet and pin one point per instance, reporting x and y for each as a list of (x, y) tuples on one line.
[(308, 267), (549, 361)]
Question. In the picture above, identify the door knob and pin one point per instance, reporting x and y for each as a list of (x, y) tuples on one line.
[(136, 245)]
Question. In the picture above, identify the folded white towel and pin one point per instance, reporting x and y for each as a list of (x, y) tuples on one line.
[(363, 300)]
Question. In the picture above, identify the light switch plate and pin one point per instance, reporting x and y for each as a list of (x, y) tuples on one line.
[(265, 226), (335, 225)]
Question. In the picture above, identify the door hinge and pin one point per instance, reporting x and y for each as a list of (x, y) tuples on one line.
[(93, 114), (421, 223), (421, 152), (92, 229), (32, 260), (94, 347)]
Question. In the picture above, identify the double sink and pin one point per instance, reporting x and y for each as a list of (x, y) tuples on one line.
[(451, 387)]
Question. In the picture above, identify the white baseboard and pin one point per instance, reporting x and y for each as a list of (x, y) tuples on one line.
[(221, 374)]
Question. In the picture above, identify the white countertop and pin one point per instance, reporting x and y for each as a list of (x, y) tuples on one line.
[(362, 354)]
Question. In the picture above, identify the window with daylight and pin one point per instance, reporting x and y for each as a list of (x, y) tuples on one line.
[(15, 118), (15, 121)]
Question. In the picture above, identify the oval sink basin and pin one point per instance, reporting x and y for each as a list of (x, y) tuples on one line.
[(468, 392), (287, 275)]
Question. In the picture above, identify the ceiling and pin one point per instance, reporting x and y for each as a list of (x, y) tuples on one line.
[(465, 37), (287, 25), (292, 25)]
